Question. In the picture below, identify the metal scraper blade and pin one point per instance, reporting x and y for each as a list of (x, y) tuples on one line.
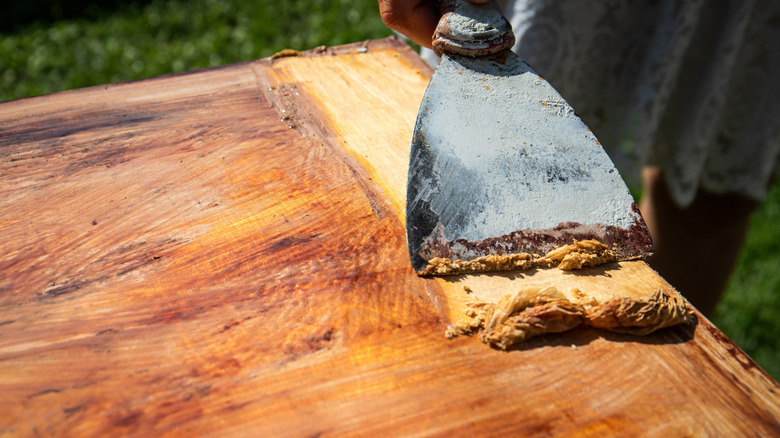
[(501, 164)]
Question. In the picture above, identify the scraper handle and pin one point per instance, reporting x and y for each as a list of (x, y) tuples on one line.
[(471, 30)]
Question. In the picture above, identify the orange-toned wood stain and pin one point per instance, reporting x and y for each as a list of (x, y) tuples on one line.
[(178, 257)]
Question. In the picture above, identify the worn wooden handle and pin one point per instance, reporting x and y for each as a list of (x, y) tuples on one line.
[(471, 30)]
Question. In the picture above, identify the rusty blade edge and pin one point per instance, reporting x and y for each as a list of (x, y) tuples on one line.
[(627, 243)]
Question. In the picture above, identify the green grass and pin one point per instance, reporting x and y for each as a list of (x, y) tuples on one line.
[(151, 38), (164, 37), (750, 309)]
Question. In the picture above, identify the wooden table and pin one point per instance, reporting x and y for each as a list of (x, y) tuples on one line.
[(222, 253)]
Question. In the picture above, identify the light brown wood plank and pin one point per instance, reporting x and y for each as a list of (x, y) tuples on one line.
[(177, 259)]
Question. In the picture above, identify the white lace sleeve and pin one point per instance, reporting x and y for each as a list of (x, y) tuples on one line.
[(693, 87)]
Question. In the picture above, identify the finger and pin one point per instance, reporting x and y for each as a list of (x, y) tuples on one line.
[(416, 19)]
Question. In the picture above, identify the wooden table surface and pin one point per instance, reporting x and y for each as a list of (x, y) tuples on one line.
[(222, 253)]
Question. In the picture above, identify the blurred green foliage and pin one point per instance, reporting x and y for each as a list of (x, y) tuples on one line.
[(116, 41), (750, 310), (139, 41), (20, 14)]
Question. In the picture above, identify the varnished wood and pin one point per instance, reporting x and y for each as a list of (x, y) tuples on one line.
[(222, 252)]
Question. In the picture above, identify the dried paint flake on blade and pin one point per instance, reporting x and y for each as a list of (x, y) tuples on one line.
[(501, 164)]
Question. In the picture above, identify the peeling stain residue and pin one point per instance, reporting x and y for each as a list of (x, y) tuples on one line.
[(580, 254), (533, 311), (285, 53), (540, 309)]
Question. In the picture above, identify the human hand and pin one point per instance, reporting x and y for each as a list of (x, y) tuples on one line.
[(416, 19)]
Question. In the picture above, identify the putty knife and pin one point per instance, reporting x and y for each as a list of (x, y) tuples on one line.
[(500, 163)]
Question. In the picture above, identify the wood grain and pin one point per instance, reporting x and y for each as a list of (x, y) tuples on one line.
[(222, 253)]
